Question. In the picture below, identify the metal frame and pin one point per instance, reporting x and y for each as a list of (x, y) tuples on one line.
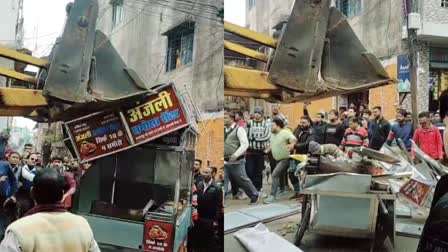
[(370, 233)]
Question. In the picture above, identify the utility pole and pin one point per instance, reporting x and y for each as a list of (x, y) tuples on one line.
[(412, 37)]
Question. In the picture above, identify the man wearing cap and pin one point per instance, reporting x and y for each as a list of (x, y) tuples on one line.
[(259, 134)]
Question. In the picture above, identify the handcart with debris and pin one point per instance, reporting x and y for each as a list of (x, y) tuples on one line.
[(345, 199)]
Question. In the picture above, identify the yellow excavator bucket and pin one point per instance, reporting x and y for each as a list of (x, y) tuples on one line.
[(317, 55)]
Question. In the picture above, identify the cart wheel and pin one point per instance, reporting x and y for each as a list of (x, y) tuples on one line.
[(303, 226)]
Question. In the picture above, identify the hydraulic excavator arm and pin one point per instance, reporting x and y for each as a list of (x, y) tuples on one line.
[(83, 74), (316, 55)]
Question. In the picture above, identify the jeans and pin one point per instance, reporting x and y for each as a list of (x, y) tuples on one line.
[(295, 181), (236, 172), (254, 168), (279, 170), (283, 178)]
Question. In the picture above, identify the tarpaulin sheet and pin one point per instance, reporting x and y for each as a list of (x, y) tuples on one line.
[(260, 239)]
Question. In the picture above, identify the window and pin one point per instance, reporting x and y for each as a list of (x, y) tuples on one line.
[(117, 12), (444, 3), (180, 46), (349, 8), (251, 4)]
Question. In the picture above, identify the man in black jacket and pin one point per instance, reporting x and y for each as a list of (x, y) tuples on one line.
[(304, 134), (210, 209), (378, 129)]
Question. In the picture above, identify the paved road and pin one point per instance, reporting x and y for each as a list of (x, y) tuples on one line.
[(312, 243)]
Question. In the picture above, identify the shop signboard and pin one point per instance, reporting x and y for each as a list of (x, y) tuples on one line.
[(415, 191), (157, 117), (98, 135), (404, 79), (158, 236)]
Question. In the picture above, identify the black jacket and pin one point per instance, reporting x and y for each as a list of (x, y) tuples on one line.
[(210, 202), (378, 133), (303, 139)]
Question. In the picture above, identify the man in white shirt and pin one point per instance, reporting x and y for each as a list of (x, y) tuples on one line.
[(235, 146)]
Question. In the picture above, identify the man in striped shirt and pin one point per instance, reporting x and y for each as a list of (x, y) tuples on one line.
[(355, 135), (259, 134)]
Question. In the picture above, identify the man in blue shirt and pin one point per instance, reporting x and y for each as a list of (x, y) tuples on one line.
[(401, 130), (8, 187)]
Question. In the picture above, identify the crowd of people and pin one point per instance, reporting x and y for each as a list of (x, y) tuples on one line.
[(263, 144), (21, 198), (208, 215)]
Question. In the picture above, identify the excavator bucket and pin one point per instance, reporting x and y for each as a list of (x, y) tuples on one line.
[(346, 65), (112, 80), (69, 71), (297, 59)]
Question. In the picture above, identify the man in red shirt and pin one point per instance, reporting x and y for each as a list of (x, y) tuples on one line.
[(355, 135), (428, 137)]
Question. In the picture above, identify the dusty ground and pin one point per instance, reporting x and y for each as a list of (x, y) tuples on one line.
[(311, 243)]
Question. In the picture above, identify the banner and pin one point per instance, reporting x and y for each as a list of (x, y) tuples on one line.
[(98, 135), (155, 116), (403, 74), (158, 236), (415, 191)]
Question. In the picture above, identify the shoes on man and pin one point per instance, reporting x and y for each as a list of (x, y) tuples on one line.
[(269, 200)]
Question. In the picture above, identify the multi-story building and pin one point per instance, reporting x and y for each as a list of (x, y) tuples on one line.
[(381, 25), (175, 41), (11, 36)]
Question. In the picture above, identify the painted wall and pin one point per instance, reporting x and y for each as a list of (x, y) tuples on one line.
[(210, 145)]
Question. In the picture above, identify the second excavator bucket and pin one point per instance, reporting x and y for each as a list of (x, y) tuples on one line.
[(318, 41), (69, 71), (111, 79), (298, 55), (346, 65)]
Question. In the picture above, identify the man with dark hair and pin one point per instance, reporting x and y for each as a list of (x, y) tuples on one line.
[(366, 114), (401, 130), (409, 118), (48, 226), (282, 144), (334, 130), (428, 137), (351, 113), (197, 176), (209, 210), (304, 135), (318, 125), (378, 129), (57, 163), (355, 135), (239, 119), (259, 133), (4, 138), (8, 187), (235, 145)]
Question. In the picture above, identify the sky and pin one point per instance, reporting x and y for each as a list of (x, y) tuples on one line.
[(235, 11), (43, 22)]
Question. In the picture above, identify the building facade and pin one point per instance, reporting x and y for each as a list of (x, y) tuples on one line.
[(174, 41), (381, 25), (11, 36)]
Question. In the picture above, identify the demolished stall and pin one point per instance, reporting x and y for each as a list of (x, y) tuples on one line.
[(386, 194), (137, 194)]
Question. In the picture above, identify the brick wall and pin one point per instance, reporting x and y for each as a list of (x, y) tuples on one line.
[(210, 145), (386, 96)]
